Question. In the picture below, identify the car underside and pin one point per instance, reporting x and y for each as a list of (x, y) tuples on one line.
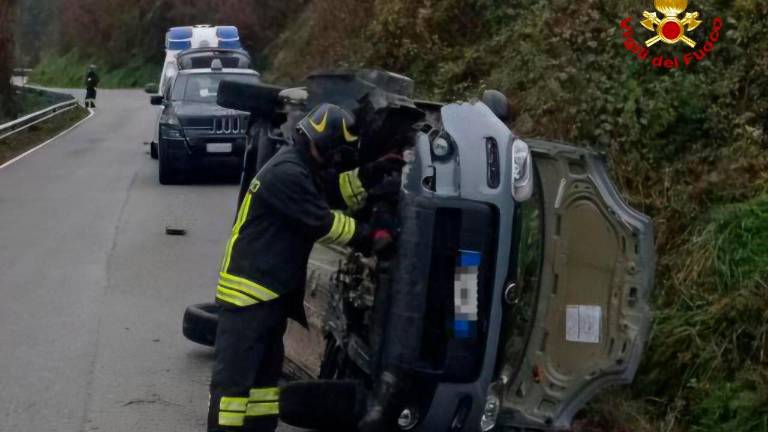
[(519, 284)]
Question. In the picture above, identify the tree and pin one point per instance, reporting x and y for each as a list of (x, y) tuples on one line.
[(35, 29), (6, 57)]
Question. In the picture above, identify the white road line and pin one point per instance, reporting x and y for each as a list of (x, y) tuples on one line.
[(47, 142)]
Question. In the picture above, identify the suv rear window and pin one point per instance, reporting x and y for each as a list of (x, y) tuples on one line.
[(204, 87)]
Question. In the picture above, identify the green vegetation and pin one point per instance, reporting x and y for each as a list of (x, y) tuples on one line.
[(22, 141), (29, 100), (125, 39), (69, 71), (716, 329), (7, 107), (687, 146)]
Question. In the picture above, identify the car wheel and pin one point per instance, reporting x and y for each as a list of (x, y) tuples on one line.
[(498, 103), (200, 323), (169, 171), (153, 150), (323, 405)]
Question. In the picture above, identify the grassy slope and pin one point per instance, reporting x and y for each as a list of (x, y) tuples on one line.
[(31, 100), (687, 147), (19, 142), (27, 100), (69, 71)]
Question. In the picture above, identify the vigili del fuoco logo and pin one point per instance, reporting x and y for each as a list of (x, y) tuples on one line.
[(671, 28)]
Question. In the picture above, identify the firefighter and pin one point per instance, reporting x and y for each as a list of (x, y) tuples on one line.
[(262, 275), (91, 81)]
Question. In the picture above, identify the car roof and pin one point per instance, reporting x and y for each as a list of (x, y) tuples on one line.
[(217, 71)]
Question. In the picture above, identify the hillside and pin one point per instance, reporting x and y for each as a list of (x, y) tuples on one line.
[(688, 147), (125, 39)]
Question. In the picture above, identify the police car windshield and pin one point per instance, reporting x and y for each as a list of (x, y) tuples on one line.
[(204, 87)]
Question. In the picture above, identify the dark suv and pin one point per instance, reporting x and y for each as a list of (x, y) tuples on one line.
[(193, 130)]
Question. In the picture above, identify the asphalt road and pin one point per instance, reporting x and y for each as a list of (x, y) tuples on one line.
[(93, 290)]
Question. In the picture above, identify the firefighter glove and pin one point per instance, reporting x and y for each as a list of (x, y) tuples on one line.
[(373, 173)]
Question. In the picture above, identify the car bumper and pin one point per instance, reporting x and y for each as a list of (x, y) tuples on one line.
[(198, 149)]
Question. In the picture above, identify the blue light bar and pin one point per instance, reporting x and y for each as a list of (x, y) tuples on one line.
[(179, 45), (229, 37), (227, 32), (178, 38), (229, 44), (180, 33)]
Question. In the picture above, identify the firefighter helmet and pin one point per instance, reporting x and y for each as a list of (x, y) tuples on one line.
[(330, 128)]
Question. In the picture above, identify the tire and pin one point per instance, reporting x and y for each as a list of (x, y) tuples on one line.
[(153, 150), (200, 323), (168, 169), (497, 102), (323, 405)]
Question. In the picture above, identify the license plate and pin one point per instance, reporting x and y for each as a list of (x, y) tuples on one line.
[(218, 148)]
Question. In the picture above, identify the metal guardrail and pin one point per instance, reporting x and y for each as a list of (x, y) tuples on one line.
[(21, 71), (22, 123)]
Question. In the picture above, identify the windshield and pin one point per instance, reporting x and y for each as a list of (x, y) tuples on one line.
[(204, 87)]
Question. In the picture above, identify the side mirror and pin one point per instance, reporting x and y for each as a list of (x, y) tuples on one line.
[(156, 100), (151, 88), (497, 102)]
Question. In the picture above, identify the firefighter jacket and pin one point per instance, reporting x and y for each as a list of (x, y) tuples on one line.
[(280, 218), (91, 79)]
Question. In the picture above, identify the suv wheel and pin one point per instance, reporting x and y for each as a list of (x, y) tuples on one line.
[(169, 170), (200, 323), (153, 150)]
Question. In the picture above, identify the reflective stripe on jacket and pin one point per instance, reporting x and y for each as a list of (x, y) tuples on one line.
[(281, 217)]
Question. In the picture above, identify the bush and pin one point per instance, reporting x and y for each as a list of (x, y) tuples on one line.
[(7, 104), (687, 147)]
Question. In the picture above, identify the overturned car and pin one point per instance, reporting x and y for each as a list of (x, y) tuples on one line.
[(518, 288)]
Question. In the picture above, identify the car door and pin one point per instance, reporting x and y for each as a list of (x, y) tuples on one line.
[(577, 312)]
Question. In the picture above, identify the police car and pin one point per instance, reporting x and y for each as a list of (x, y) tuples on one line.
[(193, 131), (179, 40)]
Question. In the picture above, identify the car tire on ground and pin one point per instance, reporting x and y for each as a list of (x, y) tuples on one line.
[(153, 150), (323, 404), (200, 323), (169, 171)]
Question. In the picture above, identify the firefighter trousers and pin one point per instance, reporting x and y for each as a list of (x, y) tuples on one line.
[(249, 360)]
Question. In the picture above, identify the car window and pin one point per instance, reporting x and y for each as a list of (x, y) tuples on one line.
[(204, 87), (178, 87), (166, 88)]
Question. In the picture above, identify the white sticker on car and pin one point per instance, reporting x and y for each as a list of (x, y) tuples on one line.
[(582, 323)]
